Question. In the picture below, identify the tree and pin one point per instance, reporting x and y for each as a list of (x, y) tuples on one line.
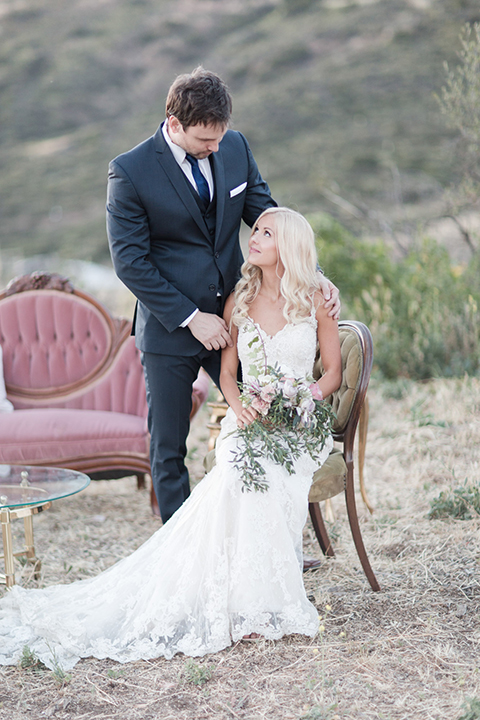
[(460, 103)]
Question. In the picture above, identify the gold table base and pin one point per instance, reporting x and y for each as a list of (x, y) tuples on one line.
[(6, 516)]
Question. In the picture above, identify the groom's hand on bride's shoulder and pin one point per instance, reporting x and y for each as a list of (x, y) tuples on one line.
[(331, 295)]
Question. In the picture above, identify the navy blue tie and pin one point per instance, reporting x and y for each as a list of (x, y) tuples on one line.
[(200, 180)]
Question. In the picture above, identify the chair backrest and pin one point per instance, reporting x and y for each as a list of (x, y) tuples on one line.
[(357, 359)]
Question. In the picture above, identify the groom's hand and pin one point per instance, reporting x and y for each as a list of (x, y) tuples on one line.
[(331, 295), (210, 330)]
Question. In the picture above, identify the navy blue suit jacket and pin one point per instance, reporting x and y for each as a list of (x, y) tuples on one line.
[(160, 243)]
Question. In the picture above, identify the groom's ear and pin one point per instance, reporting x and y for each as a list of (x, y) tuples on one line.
[(174, 124)]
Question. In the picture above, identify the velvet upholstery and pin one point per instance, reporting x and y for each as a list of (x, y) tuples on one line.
[(75, 379)]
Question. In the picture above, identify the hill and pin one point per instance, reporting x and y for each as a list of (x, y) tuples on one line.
[(335, 96)]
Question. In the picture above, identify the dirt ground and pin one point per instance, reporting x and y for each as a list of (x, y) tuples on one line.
[(411, 651)]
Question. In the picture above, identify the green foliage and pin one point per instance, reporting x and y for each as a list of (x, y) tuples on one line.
[(422, 310), (318, 712), (197, 674), (461, 503), (472, 710), (423, 419), (29, 660), (459, 102)]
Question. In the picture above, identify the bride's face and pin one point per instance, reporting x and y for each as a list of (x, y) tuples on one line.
[(262, 245)]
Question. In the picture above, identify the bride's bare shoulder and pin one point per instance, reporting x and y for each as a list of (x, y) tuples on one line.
[(229, 305), (321, 312)]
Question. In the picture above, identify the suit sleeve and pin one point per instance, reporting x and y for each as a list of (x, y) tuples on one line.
[(129, 241), (258, 197)]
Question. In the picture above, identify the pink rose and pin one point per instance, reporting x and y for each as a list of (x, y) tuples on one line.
[(267, 393), (260, 406)]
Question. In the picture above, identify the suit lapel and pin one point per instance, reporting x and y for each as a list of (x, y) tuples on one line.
[(219, 179), (176, 177)]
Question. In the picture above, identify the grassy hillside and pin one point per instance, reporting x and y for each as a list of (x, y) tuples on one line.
[(335, 96)]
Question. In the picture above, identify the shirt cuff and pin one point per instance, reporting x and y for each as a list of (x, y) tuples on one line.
[(190, 317)]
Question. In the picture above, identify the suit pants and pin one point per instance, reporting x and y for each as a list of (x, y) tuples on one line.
[(169, 380)]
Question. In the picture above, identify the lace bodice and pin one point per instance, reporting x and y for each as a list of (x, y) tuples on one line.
[(292, 348)]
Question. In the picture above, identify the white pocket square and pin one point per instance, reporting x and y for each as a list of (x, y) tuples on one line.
[(238, 190)]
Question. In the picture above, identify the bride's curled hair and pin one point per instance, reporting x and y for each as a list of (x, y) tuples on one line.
[(295, 242)]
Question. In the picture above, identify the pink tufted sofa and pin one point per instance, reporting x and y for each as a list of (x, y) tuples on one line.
[(75, 380)]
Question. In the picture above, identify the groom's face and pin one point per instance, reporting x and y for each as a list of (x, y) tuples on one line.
[(197, 140)]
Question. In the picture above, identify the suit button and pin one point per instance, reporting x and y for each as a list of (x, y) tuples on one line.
[(217, 255), (212, 287)]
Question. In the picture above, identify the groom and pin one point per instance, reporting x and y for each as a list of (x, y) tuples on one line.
[(174, 208)]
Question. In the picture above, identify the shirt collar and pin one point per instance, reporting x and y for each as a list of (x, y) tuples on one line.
[(178, 153)]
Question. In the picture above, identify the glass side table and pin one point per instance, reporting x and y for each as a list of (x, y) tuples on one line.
[(26, 491)]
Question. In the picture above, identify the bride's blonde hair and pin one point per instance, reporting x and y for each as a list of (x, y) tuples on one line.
[(295, 241)]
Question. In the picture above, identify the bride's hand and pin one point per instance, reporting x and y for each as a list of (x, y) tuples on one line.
[(246, 417)]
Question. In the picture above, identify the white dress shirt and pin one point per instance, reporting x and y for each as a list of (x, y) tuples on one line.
[(180, 156)]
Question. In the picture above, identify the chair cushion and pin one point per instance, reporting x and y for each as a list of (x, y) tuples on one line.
[(352, 363), (328, 481), (34, 436)]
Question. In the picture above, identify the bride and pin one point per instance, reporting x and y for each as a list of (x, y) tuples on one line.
[(228, 564)]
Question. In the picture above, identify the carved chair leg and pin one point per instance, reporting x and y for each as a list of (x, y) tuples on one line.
[(320, 529), (362, 442), (355, 528)]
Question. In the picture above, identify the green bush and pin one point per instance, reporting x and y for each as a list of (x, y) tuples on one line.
[(472, 710), (462, 503), (422, 310)]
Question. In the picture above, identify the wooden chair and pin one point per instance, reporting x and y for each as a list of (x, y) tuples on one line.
[(337, 474)]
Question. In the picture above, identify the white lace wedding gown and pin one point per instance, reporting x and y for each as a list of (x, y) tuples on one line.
[(227, 564)]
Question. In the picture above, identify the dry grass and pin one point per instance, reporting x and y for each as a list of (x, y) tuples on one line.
[(409, 652)]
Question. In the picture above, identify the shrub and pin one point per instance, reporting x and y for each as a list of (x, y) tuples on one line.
[(422, 310), (472, 710), (462, 503)]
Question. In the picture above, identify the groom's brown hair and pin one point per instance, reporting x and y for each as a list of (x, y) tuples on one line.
[(199, 98)]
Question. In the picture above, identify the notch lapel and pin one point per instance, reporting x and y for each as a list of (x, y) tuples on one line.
[(177, 178)]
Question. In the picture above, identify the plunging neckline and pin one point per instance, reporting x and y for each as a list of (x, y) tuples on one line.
[(264, 332)]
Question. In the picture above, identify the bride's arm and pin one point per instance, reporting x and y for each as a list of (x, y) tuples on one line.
[(329, 342), (228, 373)]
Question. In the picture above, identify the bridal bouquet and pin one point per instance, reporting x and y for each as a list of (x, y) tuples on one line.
[(291, 421)]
